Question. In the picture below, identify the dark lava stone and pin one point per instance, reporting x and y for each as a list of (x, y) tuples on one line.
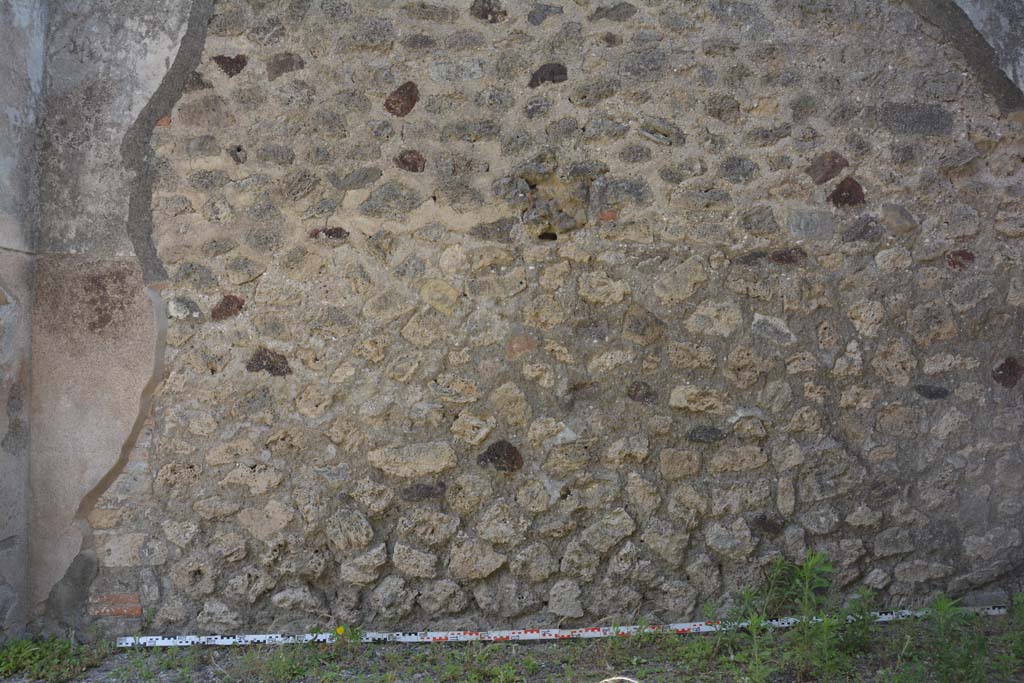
[(618, 12), (640, 326), (931, 391), (276, 154), (768, 523), (705, 434), (750, 258), (738, 169), (232, 66), (826, 166), (540, 12), (273, 363), (419, 41), (759, 219), (402, 99), (238, 154), (187, 309), (641, 392), (282, 63), (499, 230), (787, 257), (906, 118), (503, 456), (195, 274), (1008, 373), (847, 193), (195, 81), (490, 11), (551, 72), (336, 234), (662, 131), (959, 259), (537, 106), (410, 160), (230, 305), (864, 229), (357, 179), (634, 154), (418, 492), (723, 107)]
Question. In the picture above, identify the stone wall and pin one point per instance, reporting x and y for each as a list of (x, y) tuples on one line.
[(510, 313), (501, 312)]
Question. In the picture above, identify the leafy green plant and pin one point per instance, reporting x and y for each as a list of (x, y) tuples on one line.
[(810, 584), (905, 668), (530, 665), (1008, 657), (778, 577), (814, 639), (859, 625), (830, 661), (958, 648), (755, 661)]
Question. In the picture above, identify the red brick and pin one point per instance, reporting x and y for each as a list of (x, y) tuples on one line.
[(115, 605)]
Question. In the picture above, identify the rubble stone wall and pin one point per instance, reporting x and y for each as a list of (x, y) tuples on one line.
[(491, 312)]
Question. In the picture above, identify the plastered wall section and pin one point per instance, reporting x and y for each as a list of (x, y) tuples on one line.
[(96, 331), (1002, 24), (22, 33)]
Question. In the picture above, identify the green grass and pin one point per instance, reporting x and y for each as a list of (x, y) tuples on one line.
[(49, 660), (834, 641)]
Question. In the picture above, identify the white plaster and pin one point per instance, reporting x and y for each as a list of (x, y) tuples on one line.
[(30, 16)]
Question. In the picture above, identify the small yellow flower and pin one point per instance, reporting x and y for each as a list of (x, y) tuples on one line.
[(340, 630)]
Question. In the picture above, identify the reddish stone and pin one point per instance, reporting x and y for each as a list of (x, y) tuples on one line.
[(1008, 373), (116, 605), (402, 99), (232, 66), (787, 257), (826, 167), (271, 362), (410, 160), (503, 456), (230, 305), (608, 215), (519, 345), (163, 122), (847, 193), (959, 259)]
